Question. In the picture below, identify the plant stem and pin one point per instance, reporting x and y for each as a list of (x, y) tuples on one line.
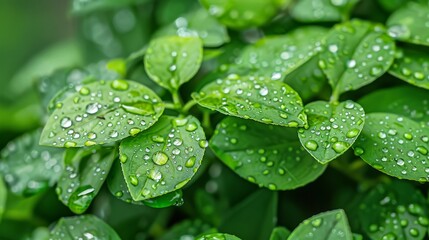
[(335, 96), (177, 100), (170, 106), (188, 106)]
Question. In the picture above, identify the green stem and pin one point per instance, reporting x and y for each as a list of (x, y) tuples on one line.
[(172, 106), (207, 123), (335, 96), (188, 106), (177, 100)]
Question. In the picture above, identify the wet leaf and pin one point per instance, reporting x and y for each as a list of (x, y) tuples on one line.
[(198, 23), (244, 14), (332, 225), (412, 67), (88, 6), (163, 158), (408, 24), (259, 99), (276, 56), (394, 211), (356, 54), (172, 61), (395, 145), (28, 168), (167, 200), (280, 233), (322, 10), (398, 100), (333, 128), (85, 170), (188, 228), (218, 236), (85, 227), (3, 197), (102, 112), (267, 155), (117, 185)]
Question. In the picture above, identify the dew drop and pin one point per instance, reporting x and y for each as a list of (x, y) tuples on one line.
[(84, 91), (158, 139), (264, 91), (160, 158), (352, 133), (133, 180), (120, 85), (311, 145), (191, 127), (203, 143), (66, 122), (92, 108), (340, 147), (358, 151), (190, 162), (134, 131), (316, 222), (70, 144)]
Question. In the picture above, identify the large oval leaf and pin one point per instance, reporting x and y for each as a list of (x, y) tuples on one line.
[(198, 23), (243, 14), (322, 10), (82, 227), (395, 145), (102, 112), (259, 99), (408, 23), (276, 56), (332, 225), (394, 211), (333, 128), (412, 67), (356, 54), (85, 171), (408, 101), (269, 156), (172, 61), (163, 158), (28, 168)]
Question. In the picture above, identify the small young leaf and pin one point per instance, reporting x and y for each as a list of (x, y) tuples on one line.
[(3, 196), (267, 155), (261, 99), (243, 14), (322, 10), (332, 225), (28, 168), (397, 100), (200, 24), (280, 233), (163, 158), (276, 56), (117, 185), (188, 229), (394, 211), (333, 128), (80, 227), (218, 236), (395, 145), (102, 112), (412, 67), (172, 61), (84, 174), (356, 54), (408, 24)]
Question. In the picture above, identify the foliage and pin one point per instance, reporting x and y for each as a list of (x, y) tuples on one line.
[(259, 119)]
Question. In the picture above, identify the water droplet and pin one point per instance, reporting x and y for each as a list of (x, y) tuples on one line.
[(70, 144), (84, 91), (414, 232), (139, 108), (389, 236), (272, 186), (358, 151), (123, 158), (340, 147), (89, 143), (349, 105), (134, 131), (375, 71), (191, 127), (160, 158), (92, 108), (264, 91), (382, 135), (419, 76), (179, 122), (81, 199), (422, 150), (311, 145), (408, 136), (233, 140), (155, 175), (203, 143), (399, 31), (66, 122), (351, 63), (158, 139), (316, 222), (120, 85), (400, 162), (92, 135), (190, 162), (133, 180), (352, 133)]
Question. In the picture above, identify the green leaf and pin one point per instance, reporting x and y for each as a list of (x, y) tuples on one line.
[(394, 211), (102, 112), (172, 151), (3, 197), (170, 199), (408, 24), (259, 99), (392, 5), (334, 127), (332, 225), (395, 145), (117, 185), (188, 229), (276, 56), (308, 79), (84, 174), (218, 236), (397, 100), (172, 61), (322, 10), (244, 14), (28, 168), (63, 82), (267, 155), (356, 54), (86, 226), (412, 67), (279, 233), (87, 6), (258, 211), (198, 23)]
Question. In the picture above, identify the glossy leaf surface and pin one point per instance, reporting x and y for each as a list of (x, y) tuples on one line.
[(322, 10), (412, 67)]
